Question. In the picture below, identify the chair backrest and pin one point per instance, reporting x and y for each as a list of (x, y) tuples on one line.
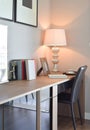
[(77, 83)]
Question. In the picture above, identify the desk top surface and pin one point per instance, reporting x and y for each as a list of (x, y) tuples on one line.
[(15, 89)]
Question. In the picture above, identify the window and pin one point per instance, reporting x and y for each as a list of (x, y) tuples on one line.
[(3, 54)]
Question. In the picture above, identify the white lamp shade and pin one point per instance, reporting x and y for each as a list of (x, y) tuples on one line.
[(55, 37)]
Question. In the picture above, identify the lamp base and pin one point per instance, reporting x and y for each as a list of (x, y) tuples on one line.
[(55, 68), (55, 61)]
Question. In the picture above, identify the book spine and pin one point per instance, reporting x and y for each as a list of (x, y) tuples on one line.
[(19, 70), (27, 71), (12, 70), (23, 70)]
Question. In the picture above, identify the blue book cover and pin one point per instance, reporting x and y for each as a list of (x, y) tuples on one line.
[(19, 69)]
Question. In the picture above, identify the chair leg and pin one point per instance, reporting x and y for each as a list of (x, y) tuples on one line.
[(73, 116), (79, 111), (32, 95), (26, 98)]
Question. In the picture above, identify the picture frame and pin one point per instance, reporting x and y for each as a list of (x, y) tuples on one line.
[(45, 66), (26, 12), (7, 10)]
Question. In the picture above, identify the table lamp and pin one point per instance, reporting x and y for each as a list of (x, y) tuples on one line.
[(55, 38)]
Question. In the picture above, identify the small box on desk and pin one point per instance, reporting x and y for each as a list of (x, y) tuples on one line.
[(57, 75), (30, 69)]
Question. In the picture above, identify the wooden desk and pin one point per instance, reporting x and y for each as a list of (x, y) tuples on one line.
[(15, 89)]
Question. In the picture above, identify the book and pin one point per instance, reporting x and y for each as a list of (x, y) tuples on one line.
[(30, 69), (23, 70), (19, 69)]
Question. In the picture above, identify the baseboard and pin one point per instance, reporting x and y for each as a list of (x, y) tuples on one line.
[(87, 116)]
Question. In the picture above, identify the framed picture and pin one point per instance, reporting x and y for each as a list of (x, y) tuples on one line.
[(45, 66), (26, 12), (6, 9)]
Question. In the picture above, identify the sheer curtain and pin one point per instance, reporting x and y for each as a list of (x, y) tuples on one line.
[(3, 53)]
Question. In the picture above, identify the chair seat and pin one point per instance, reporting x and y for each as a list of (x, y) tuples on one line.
[(64, 97)]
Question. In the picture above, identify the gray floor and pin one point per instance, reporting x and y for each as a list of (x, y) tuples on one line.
[(65, 123), (22, 119)]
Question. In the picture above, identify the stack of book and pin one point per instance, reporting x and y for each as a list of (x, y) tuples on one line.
[(22, 69)]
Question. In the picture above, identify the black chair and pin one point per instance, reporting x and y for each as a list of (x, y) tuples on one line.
[(73, 96)]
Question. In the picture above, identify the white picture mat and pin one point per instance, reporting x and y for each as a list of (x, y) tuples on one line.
[(26, 15), (6, 9)]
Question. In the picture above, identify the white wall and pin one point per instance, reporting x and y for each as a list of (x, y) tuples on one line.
[(23, 41), (74, 16)]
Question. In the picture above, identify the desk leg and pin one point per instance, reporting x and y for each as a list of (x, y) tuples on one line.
[(38, 119), (54, 108), (2, 117)]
